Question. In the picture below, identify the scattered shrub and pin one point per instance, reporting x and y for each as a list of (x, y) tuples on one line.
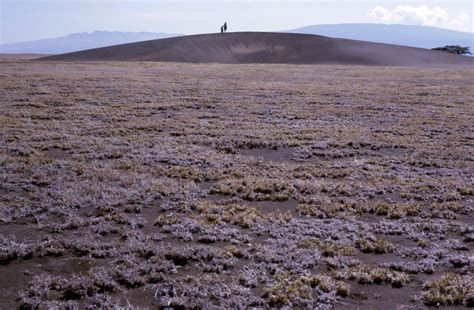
[(365, 275), (450, 289)]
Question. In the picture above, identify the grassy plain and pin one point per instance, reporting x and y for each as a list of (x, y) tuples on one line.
[(165, 184)]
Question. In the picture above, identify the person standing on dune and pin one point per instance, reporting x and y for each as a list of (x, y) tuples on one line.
[(225, 27), (222, 29)]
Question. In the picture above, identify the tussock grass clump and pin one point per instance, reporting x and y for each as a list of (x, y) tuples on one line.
[(379, 246), (298, 291), (191, 173), (309, 243), (44, 289), (279, 217), (11, 250), (335, 249), (364, 275), (423, 243), (166, 219), (255, 189), (52, 247), (446, 206), (115, 217), (394, 211), (450, 289), (235, 214), (328, 249), (466, 191), (447, 210), (331, 210), (233, 251)]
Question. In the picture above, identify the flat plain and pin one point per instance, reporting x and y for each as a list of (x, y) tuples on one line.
[(210, 185)]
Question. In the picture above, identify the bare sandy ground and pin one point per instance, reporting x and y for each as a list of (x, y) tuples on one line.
[(13, 57), (257, 47), (154, 185)]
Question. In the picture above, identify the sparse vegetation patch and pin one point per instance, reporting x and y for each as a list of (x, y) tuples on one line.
[(165, 185)]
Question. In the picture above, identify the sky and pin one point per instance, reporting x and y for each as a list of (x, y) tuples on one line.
[(26, 20)]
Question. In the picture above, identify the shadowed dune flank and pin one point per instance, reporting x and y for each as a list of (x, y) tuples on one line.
[(259, 47)]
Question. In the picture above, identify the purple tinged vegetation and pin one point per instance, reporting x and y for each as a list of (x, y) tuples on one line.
[(158, 185)]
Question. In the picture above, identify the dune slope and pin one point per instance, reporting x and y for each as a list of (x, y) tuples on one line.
[(260, 47)]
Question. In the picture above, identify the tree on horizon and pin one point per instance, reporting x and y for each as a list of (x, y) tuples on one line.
[(453, 49)]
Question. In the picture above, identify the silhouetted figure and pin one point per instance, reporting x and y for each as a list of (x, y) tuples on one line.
[(225, 27), (222, 29)]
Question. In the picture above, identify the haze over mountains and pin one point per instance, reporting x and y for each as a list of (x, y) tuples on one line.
[(416, 36), (81, 41)]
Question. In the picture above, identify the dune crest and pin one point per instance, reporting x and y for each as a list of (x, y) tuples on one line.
[(263, 47)]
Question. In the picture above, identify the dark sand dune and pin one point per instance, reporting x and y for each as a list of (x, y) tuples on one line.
[(260, 47)]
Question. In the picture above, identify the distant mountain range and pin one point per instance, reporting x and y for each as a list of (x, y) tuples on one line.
[(81, 41), (416, 36)]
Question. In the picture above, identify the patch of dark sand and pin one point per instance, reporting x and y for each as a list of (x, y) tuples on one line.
[(390, 197), (58, 154), (327, 159), (206, 186), (392, 151), (21, 232), (88, 211), (351, 157), (152, 210), (264, 206), (467, 219), (376, 260), (278, 155), (16, 275), (378, 296), (13, 193), (149, 214), (268, 207), (259, 239), (3, 192), (397, 240), (370, 218), (143, 298)]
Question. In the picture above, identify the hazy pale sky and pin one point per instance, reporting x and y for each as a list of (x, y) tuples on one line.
[(25, 20)]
